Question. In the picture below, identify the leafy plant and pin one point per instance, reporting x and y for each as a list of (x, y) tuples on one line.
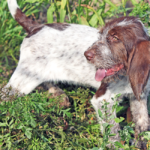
[(35, 121), (108, 115), (142, 10), (12, 34)]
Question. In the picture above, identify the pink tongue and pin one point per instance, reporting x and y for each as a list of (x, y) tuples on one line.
[(100, 74)]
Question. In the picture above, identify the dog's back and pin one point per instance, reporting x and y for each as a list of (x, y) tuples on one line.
[(59, 55)]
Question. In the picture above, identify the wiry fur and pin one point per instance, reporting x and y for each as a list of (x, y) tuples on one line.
[(123, 41), (51, 55), (54, 52)]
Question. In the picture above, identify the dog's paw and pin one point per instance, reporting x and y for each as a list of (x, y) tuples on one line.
[(139, 144), (4, 94), (57, 92), (7, 93)]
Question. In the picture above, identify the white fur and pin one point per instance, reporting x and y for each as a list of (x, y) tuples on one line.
[(125, 22), (12, 4), (117, 87), (52, 55)]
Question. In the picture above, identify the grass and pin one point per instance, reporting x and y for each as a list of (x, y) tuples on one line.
[(35, 121)]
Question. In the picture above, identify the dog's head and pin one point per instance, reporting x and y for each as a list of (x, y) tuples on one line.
[(123, 44)]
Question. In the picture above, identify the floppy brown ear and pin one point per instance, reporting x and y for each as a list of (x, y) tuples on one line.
[(138, 67)]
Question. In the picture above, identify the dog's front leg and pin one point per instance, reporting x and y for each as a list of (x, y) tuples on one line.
[(98, 101), (140, 117), (98, 104)]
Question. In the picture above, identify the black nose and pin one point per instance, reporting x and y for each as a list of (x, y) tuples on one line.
[(89, 55)]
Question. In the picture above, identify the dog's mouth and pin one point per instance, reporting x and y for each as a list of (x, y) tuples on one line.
[(102, 73)]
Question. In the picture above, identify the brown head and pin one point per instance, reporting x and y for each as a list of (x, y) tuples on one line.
[(123, 44)]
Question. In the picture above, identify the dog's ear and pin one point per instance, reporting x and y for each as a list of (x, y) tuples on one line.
[(138, 67)]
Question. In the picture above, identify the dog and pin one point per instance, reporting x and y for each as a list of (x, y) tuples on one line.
[(55, 52), (51, 52), (122, 59)]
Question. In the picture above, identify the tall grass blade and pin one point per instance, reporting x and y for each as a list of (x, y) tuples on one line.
[(50, 12)]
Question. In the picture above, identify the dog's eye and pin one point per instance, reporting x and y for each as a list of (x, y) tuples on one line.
[(112, 38), (115, 38)]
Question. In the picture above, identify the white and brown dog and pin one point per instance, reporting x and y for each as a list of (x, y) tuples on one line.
[(55, 52), (122, 59), (51, 52)]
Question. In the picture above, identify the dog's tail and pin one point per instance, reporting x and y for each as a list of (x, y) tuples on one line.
[(27, 23)]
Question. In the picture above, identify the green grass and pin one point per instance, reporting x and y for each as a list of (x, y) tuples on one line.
[(35, 121)]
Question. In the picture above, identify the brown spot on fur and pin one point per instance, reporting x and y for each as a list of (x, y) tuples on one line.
[(58, 26), (35, 30), (102, 90)]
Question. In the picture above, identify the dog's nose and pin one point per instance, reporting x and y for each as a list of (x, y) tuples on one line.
[(89, 55)]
